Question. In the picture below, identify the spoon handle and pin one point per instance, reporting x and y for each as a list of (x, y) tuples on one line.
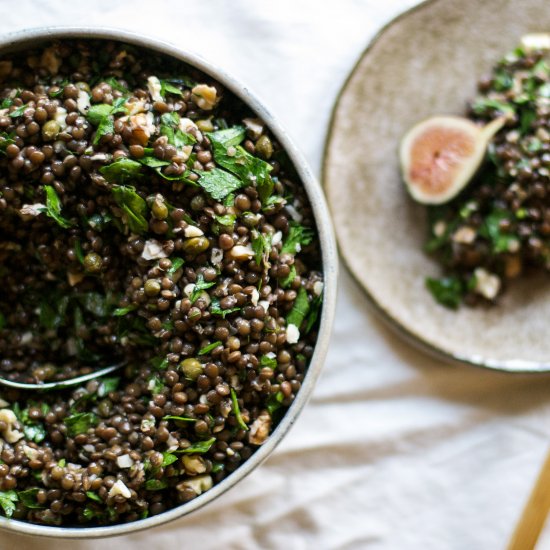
[(534, 513), (62, 383)]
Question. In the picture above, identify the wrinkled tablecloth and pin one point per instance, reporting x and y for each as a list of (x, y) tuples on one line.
[(395, 450)]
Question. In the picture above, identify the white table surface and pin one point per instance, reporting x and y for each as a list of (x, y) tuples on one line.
[(395, 450)]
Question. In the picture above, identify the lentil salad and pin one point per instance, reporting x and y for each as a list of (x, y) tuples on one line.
[(498, 227), (171, 232)]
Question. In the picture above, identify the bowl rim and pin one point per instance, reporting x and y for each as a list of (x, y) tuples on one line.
[(511, 366), (19, 40)]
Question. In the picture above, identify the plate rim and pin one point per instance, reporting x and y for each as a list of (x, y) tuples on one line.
[(510, 366)]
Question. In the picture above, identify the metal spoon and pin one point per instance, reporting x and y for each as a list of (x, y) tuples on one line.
[(61, 384)]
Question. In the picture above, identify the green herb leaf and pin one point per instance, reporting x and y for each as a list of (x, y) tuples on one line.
[(170, 128), (170, 119), (198, 448), (219, 183), (121, 170), (28, 498), (116, 85), (176, 264), (168, 458), (102, 116), (153, 162), (448, 291), (227, 220), (80, 423), (96, 113), (167, 88), (485, 106), (35, 432), (159, 362), (5, 140), (217, 467), (287, 281), (155, 385), (133, 206), (96, 303), (200, 285), (270, 362), (230, 155), (230, 137), (490, 230), (314, 310), (50, 318), (7, 501), (274, 402), (237, 410), (216, 309), (107, 385), (18, 111), (298, 236), (121, 311), (209, 347), (93, 496), (155, 484), (53, 207), (527, 117), (503, 81), (78, 251), (179, 418), (99, 221), (299, 310), (261, 245)]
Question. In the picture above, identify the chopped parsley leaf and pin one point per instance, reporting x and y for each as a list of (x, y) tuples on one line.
[(198, 448), (237, 411), (102, 116), (216, 309), (300, 309), (209, 348), (176, 264), (168, 458), (448, 291), (261, 245), (218, 183), (274, 402), (235, 159), (53, 207), (133, 206), (120, 311), (200, 285), (93, 496), (167, 88), (155, 484), (107, 385), (7, 501), (287, 281), (28, 498), (80, 423), (179, 418), (270, 362), (18, 111), (121, 170), (298, 236)]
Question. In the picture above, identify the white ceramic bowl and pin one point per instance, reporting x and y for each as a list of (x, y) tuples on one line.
[(32, 37)]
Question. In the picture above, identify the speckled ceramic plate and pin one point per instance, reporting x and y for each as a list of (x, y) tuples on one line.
[(426, 62)]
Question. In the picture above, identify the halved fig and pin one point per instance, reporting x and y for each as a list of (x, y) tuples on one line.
[(440, 155)]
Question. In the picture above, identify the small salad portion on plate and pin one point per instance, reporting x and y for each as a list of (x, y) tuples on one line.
[(486, 180)]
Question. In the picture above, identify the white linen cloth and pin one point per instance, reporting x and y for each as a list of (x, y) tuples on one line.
[(395, 450)]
